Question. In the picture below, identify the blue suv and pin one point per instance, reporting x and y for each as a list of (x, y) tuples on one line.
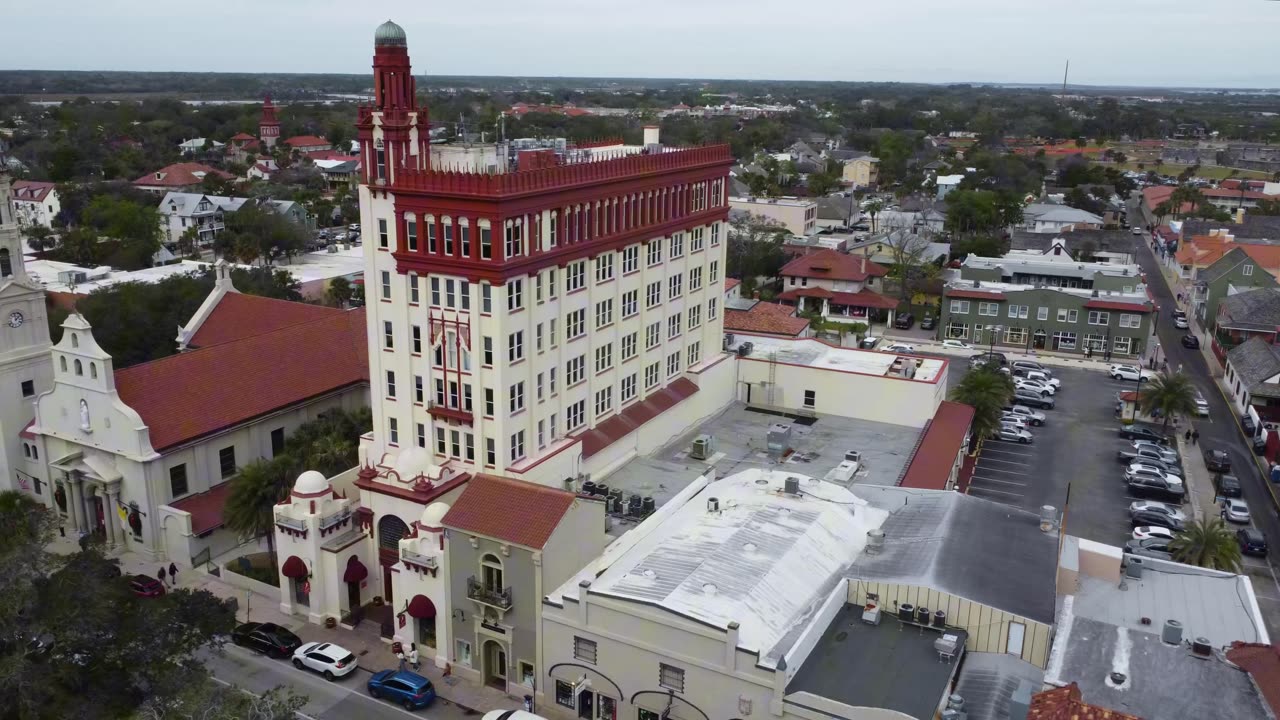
[(409, 689)]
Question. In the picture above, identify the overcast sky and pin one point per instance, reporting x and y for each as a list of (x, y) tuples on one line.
[(1226, 43)]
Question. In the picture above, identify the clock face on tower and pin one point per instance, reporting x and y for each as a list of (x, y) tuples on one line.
[(15, 319)]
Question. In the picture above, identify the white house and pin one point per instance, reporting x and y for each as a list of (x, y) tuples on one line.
[(35, 203), (946, 183)]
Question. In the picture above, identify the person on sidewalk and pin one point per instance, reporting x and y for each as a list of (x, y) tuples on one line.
[(1187, 437), (173, 574), (162, 576), (413, 656), (1195, 437), (400, 656)]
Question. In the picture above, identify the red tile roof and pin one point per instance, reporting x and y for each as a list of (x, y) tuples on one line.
[(1230, 194), (974, 294), (635, 415), (187, 396), (833, 265), (238, 316), (942, 443), (31, 190), (862, 298), (731, 283), (305, 141), (513, 511), (332, 155), (766, 318), (1262, 662), (1065, 703), (180, 175), (815, 292), (205, 508), (243, 137), (1133, 307)]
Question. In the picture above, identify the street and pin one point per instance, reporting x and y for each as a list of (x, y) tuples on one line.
[(1219, 430), (342, 699)]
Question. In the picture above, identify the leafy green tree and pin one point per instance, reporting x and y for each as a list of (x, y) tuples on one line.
[(189, 242), (205, 699), (1209, 544), (987, 391), (256, 231), (755, 248), (1169, 394), (251, 499), (39, 237), (822, 183), (339, 292)]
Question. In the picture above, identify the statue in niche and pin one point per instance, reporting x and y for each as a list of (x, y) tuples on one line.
[(84, 416)]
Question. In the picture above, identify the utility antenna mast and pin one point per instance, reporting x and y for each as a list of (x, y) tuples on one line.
[(1064, 80)]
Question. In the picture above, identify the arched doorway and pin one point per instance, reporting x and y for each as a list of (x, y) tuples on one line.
[(390, 530), (495, 664)]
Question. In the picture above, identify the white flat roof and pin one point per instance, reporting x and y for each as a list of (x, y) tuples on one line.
[(818, 354), (765, 560), (325, 265), (787, 201), (46, 273)]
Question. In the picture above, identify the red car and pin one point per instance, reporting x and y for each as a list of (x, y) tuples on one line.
[(146, 586)]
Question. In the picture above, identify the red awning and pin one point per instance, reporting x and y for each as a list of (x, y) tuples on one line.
[(356, 571), (421, 607), (294, 567)]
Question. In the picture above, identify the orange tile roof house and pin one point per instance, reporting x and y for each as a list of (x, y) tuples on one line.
[(841, 287), (179, 176), (764, 318), (308, 143), (159, 441)]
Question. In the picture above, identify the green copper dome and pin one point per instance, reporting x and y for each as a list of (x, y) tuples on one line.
[(389, 33)]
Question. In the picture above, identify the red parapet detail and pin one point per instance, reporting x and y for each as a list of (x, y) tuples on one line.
[(442, 411), (562, 176)]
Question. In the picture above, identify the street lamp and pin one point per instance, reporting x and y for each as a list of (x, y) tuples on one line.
[(992, 330), (1137, 392)]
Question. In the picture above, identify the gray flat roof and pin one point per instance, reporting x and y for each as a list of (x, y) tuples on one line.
[(966, 546), (889, 665), (988, 681), (1162, 681)]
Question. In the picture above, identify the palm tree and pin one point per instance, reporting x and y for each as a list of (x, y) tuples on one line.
[(987, 391), (1169, 394), (254, 492), (873, 209), (1208, 544)]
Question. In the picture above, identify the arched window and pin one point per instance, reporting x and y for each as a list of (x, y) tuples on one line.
[(491, 570), (6, 263), (35, 453), (79, 368), (75, 340), (26, 450), (63, 362), (93, 370), (390, 530)]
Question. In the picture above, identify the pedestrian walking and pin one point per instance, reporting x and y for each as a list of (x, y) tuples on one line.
[(400, 656), (173, 574), (162, 576), (1195, 437), (413, 656), (1187, 437)]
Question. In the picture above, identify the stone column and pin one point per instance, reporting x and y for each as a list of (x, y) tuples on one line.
[(74, 508), (111, 516)]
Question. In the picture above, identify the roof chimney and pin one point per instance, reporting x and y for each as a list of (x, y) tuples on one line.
[(651, 135)]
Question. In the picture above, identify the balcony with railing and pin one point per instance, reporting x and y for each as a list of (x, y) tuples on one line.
[(419, 561), (493, 597), (452, 413)]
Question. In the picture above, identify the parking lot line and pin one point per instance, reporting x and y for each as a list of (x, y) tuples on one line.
[(997, 480), (1006, 462), (1006, 472), (993, 490), (1005, 451)]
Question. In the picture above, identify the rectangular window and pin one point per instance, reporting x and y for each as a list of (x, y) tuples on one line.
[(537, 287), (538, 386), (277, 441), (1015, 335), (552, 288), (391, 384), (604, 313), (989, 309), (416, 333), (628, 387), (386, 285), (655, 252), (695, 279), (1019, 311), (384, 238), (715, 234), (464, 234), (604, 268), (653, 294), (810, 399), (652, 335), (1128, 320), (1042, 313), (448, 238), (178, 480), (575, 370), (388, 335), (515, 295), (604, 401), (431, 237), (575, 324), (671, 677), (1070, 316), (1097, 342), (675, 286), (604, 357), (551, 426), (957, 330), (227, 461), (552, 228), (440, 392), (693, 353), (711, 309), (673, 326), (440, 442), (525, 670), (413, 288), (551, 381), (514, 242), (486, 298), (486, 243), (695, 238), (455, 444), (28, 388), (486, 351), (630, 303), (515, 346), (695, 316), (393, 431), (652, 374), (469, 446), (537, 337), (411, 234), (450, 297), (488, 402), (575, 276), (565, 696), (673, 363), (1246, 270), (576, 415), (628, 346), (490, 452), (435, 291), (418, 391), (677, 246), (515, 400), (630, 259), (1097, 317), (1064, 341), (1122, 345), (960, 307)]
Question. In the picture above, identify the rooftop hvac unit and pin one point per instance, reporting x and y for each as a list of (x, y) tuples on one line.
[(853, 456), (875, 540), (703, 447), (1172, 632), (745, 349), (791, 485), (1134, 568), (1201, 647), (948, 644), (779, 438)]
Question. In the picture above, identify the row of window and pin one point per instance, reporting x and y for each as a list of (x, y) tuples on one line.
[(587, 651), (1022, 312), (1058, 340)]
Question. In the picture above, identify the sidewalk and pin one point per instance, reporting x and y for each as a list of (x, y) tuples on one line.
[(1044, 357), (365, 641), (1198, 480)]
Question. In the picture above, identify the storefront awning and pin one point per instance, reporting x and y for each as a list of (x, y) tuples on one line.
[(421, 607), (356, 571), (294, 567)]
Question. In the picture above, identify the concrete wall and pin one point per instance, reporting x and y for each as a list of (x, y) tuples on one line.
[(799, 217), (868, 397)]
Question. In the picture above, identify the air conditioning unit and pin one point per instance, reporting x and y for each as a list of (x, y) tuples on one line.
[(853, 455), (703, 447)]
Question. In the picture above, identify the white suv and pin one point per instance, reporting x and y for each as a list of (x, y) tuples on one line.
[(1130, 373), (328, 659)]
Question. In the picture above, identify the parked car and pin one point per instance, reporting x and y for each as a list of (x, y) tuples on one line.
[(1150, 471), (1035, 418), (146, 586), (1017, 421), (328, 659), (1038, 376), (1157, 518), (1030, 365), (1227, 486), (1180, 323), (266, 638), (904, 321), (1151, 547), (928, 322), (1163, 453), (1173, 511), (869, 342), (1033, 399), (1252, 541), (956, 345), (1010, 433), (1137, 230), (1036, 386), (989, 357), (1217, 460), (1142, 532), (1153, 465), (1166, 488), (1246, 422), (406, 688), (1190, 341), (900, 348), (1142, 432), (1235, 510), (1130, 373), (1202, 406)]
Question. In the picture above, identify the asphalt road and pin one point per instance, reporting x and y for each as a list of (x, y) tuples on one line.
[(342, 699), (1220, 430)]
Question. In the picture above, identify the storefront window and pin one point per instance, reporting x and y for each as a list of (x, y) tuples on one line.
[(564, 695), (427, 632)]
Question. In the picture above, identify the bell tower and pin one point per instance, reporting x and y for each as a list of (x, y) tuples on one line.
[(393, 132), (268, 126), (26, 366)]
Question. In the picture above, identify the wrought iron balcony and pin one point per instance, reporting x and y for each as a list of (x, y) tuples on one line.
[(492, 597)]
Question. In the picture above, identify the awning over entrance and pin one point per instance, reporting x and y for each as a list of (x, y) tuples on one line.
[(356, 571), (421, 607), (294, 567)]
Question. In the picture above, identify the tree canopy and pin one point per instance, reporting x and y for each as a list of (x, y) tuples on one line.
[(256, 232), (987, 391)]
